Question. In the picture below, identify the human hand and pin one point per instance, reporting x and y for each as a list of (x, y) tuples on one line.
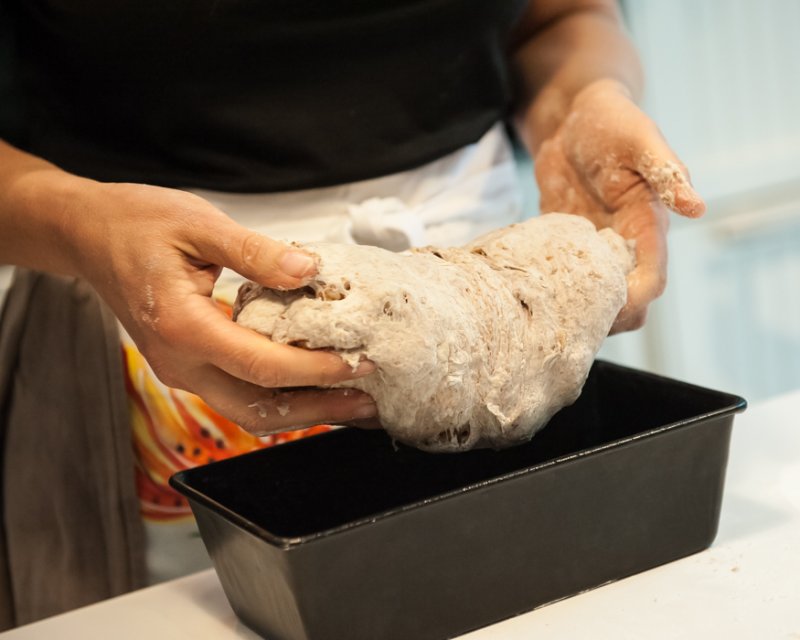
[(608, 162), (154, 254)]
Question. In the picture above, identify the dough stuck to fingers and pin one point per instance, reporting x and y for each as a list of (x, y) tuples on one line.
[(475, 346)]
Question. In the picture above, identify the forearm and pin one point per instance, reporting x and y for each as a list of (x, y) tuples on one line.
[(561, 47), (37, 213)]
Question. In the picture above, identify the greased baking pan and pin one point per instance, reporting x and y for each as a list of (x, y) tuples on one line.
[(347, 536)]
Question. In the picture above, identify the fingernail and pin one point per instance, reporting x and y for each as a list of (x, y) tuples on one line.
[(688, 202), (364, 368), (297, 264), (368, 410)]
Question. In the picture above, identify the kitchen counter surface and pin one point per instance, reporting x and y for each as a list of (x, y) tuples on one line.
[(747, 585)]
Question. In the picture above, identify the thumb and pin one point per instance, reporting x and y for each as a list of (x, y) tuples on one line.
[(225, 243)]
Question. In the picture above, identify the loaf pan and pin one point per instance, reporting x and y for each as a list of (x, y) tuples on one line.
[(348, 535)]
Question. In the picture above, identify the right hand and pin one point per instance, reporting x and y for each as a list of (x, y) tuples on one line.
[(608, 162), (153, 254)]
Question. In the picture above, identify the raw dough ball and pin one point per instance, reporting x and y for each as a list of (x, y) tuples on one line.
[(475, 346)]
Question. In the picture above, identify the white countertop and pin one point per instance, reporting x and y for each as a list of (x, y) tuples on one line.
[(746, 586)]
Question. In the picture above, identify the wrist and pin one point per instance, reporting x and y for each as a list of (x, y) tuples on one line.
[(553, 105), (48, 212), (599, 87)]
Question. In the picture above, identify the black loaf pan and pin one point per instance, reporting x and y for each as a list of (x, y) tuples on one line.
[(346, 537)]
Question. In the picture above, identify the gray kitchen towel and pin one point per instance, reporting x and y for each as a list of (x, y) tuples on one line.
[(71, 532)]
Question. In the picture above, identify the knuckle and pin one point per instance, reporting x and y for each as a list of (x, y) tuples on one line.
[(269, 415), (637, 321), (264, 374), (661, 285), (334, 370), (254, 424), (254, 252), (247, 417)]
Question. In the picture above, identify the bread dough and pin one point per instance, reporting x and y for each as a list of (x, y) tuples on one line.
[(475, 346)]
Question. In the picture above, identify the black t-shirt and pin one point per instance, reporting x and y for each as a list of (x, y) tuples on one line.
[(259, 95)]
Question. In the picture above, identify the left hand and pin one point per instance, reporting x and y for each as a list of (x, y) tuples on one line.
[(608, 162)]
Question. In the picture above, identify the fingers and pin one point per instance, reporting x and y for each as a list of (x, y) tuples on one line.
[(634, 314), (668, 177), (370, 424), (251, 357), (259, 258), (263, 411), (649, 278)]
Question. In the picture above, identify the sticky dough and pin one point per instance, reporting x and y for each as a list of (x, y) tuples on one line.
[(475, 346)]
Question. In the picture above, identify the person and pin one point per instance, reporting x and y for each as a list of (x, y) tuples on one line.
[(148, 128)]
